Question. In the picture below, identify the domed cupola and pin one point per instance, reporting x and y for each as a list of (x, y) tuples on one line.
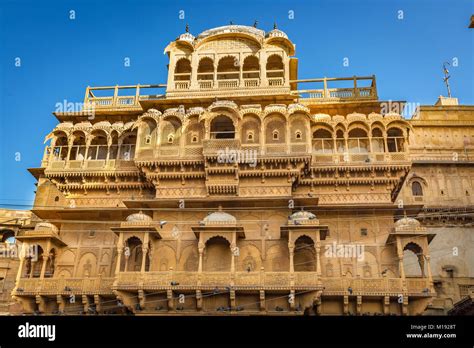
[(187, 36), (276, 33), (302, 217), (407, 223), (139, 217), (46, 226), (219, 218)]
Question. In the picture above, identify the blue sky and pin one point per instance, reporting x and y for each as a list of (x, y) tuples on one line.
[(60, 57)]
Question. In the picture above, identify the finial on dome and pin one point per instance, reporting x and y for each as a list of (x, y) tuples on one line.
[(404, 213), (219, 208), (231, 22), (275, 25), (187, 28), (255, 24)]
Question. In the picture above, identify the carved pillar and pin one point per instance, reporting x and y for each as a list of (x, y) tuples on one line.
[(386, 305), (69, 149), (32, 268), (346, 148), (45, 259), (292, 254), (20, 268), (421, 262), (401, 269), (119, 254), (241, 68), (144, 251), (43, 266), (262, 300), (108, 154), (194, 69), (346, 305), (119, 147), (318, 255), (61, 303), (201, 251), (235, 252), (169, 296), (359, 305), (98, 303), (198, 300), (86, 154), (263, 69), (428, 268)]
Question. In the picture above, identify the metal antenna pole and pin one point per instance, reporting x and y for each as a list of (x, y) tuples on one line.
[(446, 78)]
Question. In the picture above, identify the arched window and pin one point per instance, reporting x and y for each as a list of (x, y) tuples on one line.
[(222, 127), (298, 134), (98, 148), (358, 141), (78, 151), (395, 140), (148, 139), (275, 134), (60, 149), (322, 141), (340, 142), (250, 136), (127, 148), (377, 140), (205, 69), (228, 68), (182, 71), (170, 138), (275, 66), (251, 68), (416, 189)]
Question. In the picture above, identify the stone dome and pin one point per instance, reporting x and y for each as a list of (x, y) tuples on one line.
[(46, 226), (244, 29), (276, 33), (407, 223), (186, 37), (302, 216), (139, 217), (219, 217)]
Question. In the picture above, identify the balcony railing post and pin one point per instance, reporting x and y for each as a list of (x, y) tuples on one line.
[(114, 100), (356, 92)]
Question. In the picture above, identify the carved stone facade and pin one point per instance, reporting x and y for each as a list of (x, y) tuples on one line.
[(237, 192)]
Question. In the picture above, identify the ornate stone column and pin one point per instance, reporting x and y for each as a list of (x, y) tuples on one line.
[(43, 266), (20, 267), (401, 269), (428, 268), (263, 69), (318, 257), (292, 254), (234, 250), (119, 254), (144, 252), (201, 251)]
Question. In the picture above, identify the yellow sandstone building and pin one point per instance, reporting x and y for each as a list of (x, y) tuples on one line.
[(239, 188)]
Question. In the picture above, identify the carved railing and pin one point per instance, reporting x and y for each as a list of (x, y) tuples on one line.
[(415, 286), (368, 158), (195, 280), (116, 101), (64, 286), (213, 146), (326, 94), (93, 157)]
